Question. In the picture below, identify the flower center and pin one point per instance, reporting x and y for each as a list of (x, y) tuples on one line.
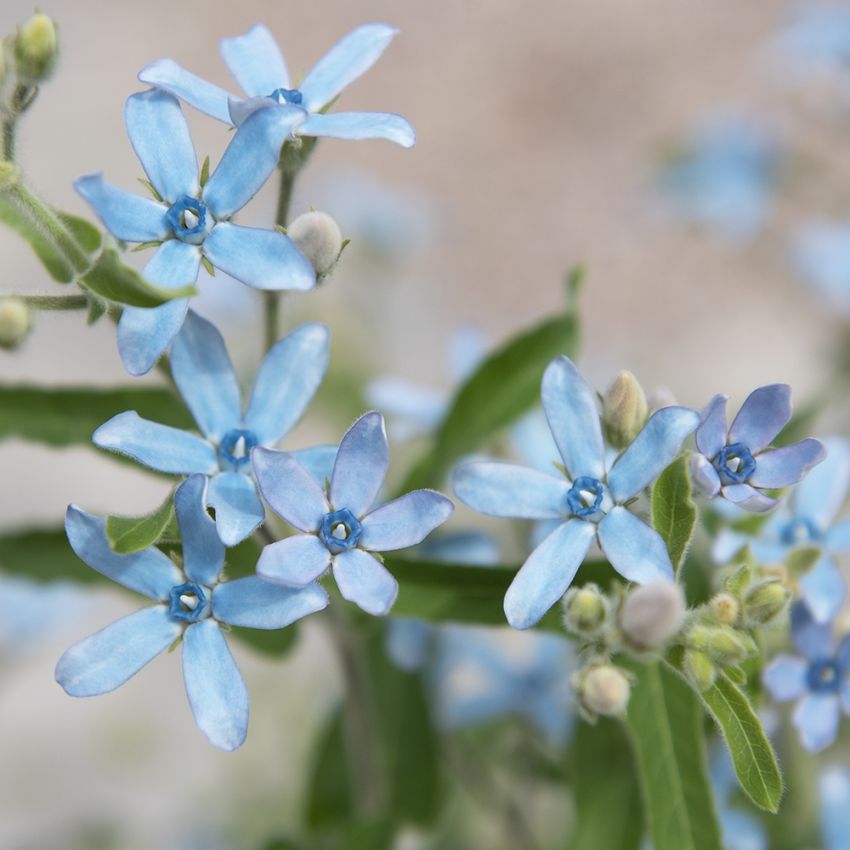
[(824, 676), (585, 496), (188, 219), (287, 96), (340, 531), (797, 531), (735, 463), (234, 451), (188, 602)]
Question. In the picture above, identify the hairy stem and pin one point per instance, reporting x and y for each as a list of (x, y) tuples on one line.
[(55, 302), (271, 303), (9, 138)]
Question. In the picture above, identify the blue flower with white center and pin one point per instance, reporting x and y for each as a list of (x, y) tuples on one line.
[(258, 66), (808, 519), (285, 383), (737, 463), (820, 680), (821, 254), (339, 530), (591, 503), (190, 603), (193, 221)]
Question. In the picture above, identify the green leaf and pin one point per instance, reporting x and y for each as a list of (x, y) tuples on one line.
[(70, 415), (665, 723), (127, 534), (44, 555), (674, 514), (111, 278), (329, 789), (87, 235)]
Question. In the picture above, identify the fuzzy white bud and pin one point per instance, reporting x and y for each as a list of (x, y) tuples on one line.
[(14, 322), (605, 690), (317, 236), (652, 614)]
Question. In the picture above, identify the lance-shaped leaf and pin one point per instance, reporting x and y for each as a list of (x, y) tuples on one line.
[(127, 534), (674, 514)]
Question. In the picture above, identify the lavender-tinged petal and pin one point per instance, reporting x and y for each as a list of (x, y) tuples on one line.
[(360, 125), (786, 466), (747, 497), (286, 382), (148, 572), (842, 656), (823, 589), (108, 658), (255, 61), (711, 434), (785, 677), (363, 580), (816, 718), (215, 687), (294, 561), (837, 539), (168, 75), (764, 413), (159, 447), (636, 551), (405, 521), (238, 509), (318, 461), (814, 640), (257, 604), (824, 490), (704, 476), (361, 464), (124, 214), (289, 489), (508, 490), (203, 551), (544, 578)]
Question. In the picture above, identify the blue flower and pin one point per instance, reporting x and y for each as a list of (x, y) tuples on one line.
[(737, 463), (256, 62), (820, 680), (193, 221), (339, 530), (741, 829), (817, 38), (834, 786), (190, 604), (590, 501), (807, 520), (821, 254), (286, 381)]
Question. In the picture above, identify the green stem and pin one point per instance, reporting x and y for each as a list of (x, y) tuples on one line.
[(55, 302), (9, 138), (271, 303)]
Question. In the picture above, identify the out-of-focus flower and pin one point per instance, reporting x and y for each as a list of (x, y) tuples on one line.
[(820, 680), (589, 500), (286, 381), (742, 830), (821, 256), (339, 530), (190, 603), (834, 787), (189, 221), (258, 66), (737, 462), (816, 39)]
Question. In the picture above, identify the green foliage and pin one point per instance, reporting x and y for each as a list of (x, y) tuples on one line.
[(330, 799), (43, 555), (128, 534), (674, 514), (87, 235)]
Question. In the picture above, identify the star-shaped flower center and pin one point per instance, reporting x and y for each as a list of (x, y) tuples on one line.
[(735, 463), (234, 451), (287, 96), (824, 676), (798, 531), (189, 220), (340, 531), (188, 602), (584, 498)]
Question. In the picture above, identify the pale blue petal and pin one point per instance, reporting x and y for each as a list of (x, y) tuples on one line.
[(344, 63), (160, 137), (842, 656), (360, 125), (159, 447), (238, 509), (289, 489), (834, 787), (363, 580), (408, 643), (824, 490), (255, 61), (636, 551), (747, 497), (168, 75), (250, 159), (816, 718), (361, 465), (148, 572), (838, 537), (405, 521), (203, 552), (544, 578), (467, 350), (412, 409), (507, 490), (786, 466), (762, 416), (727, 544), (204, 375), (813, 639), (295, 561), (462, 547), (318, 461), (286, 382), (711, 434), (532, 441), (785, 677), (654, 448), (742, 831), (214, 685), (124, 214), (574, 419), (106, 659), (704, 475), (263, 259), (824, 590), (259, 604)]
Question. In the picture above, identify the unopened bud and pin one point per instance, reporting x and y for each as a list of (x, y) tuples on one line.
[(722, 644), (652, 614), (15, 322), (765, 601), (699, 669), (604, 690), (725, 608), (585, 610), (318, 238), (624, 410), (36, 48)]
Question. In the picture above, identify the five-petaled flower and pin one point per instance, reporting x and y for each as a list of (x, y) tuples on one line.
[(737, 463), (820, 680), (256, 62), (192, 221), (339, 530), (286, 381), (591, 502), (189, 603)]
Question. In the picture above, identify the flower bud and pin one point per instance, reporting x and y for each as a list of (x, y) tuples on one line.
[(765, 601), (725, 608), (36, 48), (624, 410), (15, 322), (318, 238), (585, 610), (722, 644), (699, 669), (652, 614), (604, 690)]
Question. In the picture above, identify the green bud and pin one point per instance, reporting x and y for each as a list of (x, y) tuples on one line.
[(585, 610), (725, 608), (652, 614), (36, 49), (624, 410), (604, 690), (699, 669), (317, 237), (765, 601), (722, 644), (8, 175), (15, 322)]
